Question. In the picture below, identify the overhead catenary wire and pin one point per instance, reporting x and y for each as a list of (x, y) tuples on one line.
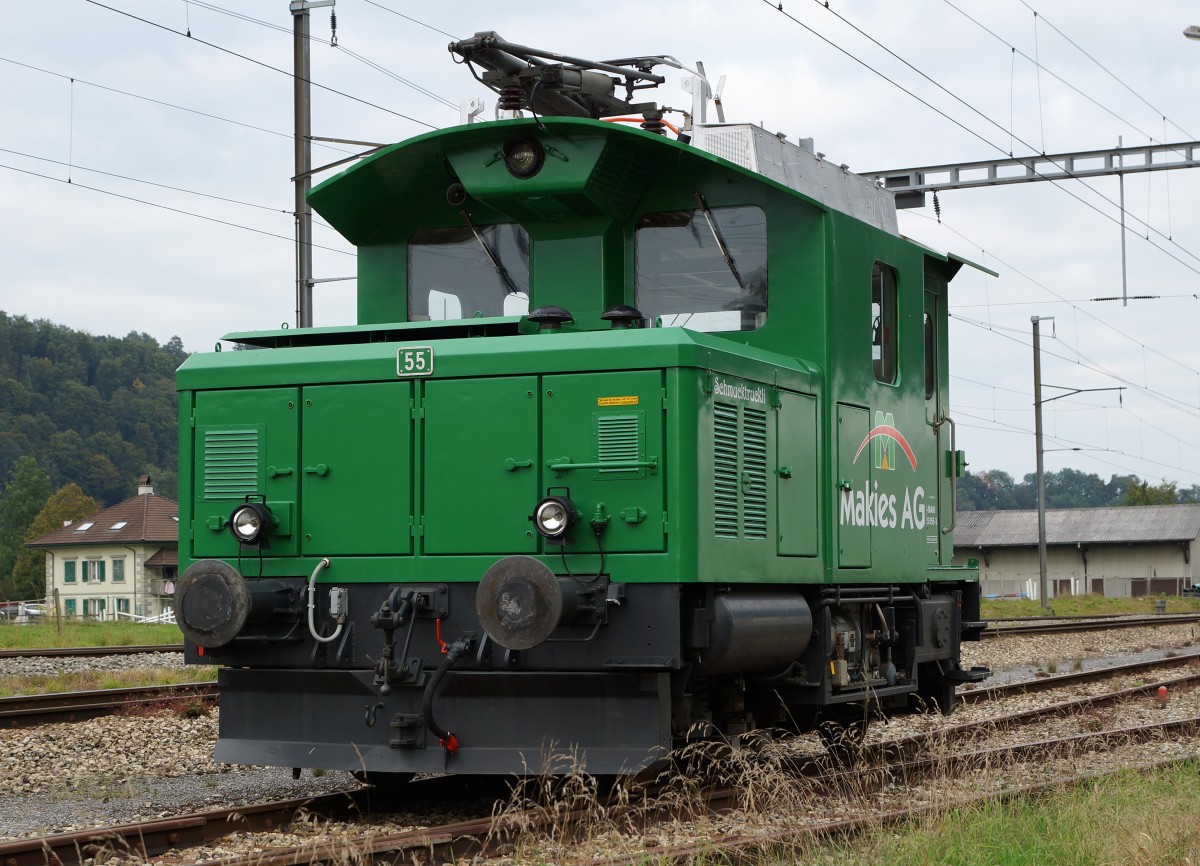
[(1058, 184), (372, 64), (410, 18), (73, 167), (163, 103), (78, 185), (261, 63), (1011, 267)]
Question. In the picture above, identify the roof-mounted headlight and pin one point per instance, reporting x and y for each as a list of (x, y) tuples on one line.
[(523, 157), (250, 524)]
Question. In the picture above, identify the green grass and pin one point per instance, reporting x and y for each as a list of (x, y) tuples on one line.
[(1085, 605), (1138, 818), (44, 635)]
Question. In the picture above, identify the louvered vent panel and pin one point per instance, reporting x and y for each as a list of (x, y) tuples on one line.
[(230, 463), (725, 470), (754, 465), (617, 440)]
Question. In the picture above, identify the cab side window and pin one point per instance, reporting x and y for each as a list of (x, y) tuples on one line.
[(883, 323)]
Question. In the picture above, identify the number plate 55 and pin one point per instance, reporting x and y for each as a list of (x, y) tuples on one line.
[(414, 361)]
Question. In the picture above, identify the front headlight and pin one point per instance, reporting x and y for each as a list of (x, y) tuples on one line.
[(553, 517), (250, 523), (524, 157)]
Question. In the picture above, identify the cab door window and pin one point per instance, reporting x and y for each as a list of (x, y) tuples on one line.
[(883, 323)]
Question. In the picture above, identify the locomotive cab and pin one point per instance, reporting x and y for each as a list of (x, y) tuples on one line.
[(637, 440)]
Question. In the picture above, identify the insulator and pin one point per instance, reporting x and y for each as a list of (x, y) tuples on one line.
[(937, 207), (512, 98), (653, 123)]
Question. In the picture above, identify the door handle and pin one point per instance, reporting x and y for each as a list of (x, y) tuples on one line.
[(319, 469), (513, 465)]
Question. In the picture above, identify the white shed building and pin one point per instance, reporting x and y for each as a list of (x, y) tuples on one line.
[(1121, 551)]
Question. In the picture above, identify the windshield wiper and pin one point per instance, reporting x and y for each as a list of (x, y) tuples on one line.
[(716, 233), (491, 254)]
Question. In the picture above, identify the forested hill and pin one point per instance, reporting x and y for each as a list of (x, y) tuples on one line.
[(96, 411), (993, 490)]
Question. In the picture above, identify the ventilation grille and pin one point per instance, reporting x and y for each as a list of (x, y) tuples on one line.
[(617, 441), (725, 470), (230, 463), (754, 473), (739, 472)]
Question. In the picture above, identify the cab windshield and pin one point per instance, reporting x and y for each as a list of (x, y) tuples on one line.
[(703, 269), (453, 273)]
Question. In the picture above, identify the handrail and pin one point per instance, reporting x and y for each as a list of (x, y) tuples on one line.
[(946, 530)]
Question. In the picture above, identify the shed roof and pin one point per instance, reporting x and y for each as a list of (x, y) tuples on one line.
[(145, 518), (1116, 525), (165, 556)]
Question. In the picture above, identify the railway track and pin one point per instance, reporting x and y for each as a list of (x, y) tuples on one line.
[(998, 627), (904, 762), (1072, 626), (78, 651), (26, 710)]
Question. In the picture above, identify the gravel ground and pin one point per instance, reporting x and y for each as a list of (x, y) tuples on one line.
[(122, 769)]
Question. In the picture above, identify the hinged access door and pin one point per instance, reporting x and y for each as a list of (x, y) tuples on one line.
[(602, 436), (852, 498), (245, 446), (796, 474), (356, 469), (480, 465)]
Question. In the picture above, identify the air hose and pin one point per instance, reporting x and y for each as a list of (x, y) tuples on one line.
[(454, 652), (312, 605)]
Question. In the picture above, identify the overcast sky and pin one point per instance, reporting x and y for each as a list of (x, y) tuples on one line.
[(176, 219)]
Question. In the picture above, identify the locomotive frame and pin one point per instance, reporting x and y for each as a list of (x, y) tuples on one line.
[(672, 460)]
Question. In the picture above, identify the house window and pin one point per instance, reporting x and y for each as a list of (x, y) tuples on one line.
[(119, 570), (93, 571), (69, 571), (122, 603), (69, 606)]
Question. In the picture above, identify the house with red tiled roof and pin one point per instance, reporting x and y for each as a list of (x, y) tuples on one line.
[(119, 563)]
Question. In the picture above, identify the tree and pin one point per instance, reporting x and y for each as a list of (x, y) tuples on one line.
[(68, 503), (1141, 493), (22, 499)]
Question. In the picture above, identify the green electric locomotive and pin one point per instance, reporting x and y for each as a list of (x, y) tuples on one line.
[(640, 438)]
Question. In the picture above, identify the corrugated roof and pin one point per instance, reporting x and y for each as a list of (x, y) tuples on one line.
[(146, 518), (1117, 525)]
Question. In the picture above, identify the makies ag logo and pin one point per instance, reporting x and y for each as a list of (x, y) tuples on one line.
[(883, 438)]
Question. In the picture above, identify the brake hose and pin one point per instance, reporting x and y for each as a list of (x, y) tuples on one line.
[(454, 652)]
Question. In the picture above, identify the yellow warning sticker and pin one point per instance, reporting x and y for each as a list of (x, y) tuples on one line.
[(617, 401)]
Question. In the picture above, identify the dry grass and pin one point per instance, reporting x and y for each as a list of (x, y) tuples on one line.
[(41, 684)]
